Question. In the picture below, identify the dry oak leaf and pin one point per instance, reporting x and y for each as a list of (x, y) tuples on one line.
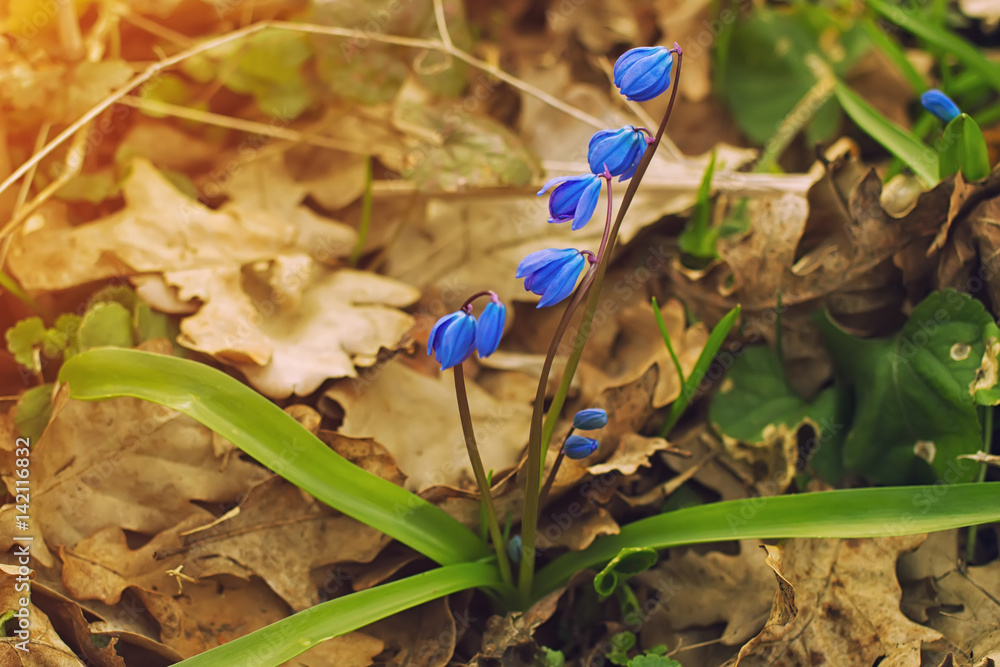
[(975, 628), (714, 588), (848, 601), (42, 647), (293, 324), (413, 417), (273, 514), (423, 636), (193, 616), (123, 463), (162, 229)]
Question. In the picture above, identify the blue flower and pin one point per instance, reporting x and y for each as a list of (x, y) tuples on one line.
[(551, 273), (940, 105), (574, 198), (643, 73), (514, 549), (490, 327), (588, 420), (579, 447), (618, 150), (452, 339)]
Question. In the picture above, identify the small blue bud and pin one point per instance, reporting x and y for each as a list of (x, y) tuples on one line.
[(590, 419), (618, 150), (551, 273), (452, 339), (940, 105), (644, 73), (574, 198), (490, 327), (579, 447), (514, 549)]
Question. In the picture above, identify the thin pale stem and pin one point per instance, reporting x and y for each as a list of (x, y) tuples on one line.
[(499, 546), (588, 317), (544, 495), (970, 543)]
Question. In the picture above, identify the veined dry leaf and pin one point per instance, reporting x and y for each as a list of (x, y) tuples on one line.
[(161, 229), (414, 417), (123, 463), (294, 325), (967, 613), (276, 513), (42, 647), (718, 588), (847, 597), (633, 452), (424, 636)]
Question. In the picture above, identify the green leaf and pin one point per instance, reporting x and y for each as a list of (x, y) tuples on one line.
[(264, 431), (653, 661), (22, 339), (757, 405), (768, 66), (34, 410), (848, 513), (627, 564), (965, 52), (963, 146), (914, 393), (621, 644), (901, 143), (693, 381), (551, 657), (281, 641), (106, 323), (698, 239)]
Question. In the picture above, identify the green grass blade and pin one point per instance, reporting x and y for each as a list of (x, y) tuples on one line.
[(264, 431), (289, 637), (712, 345), (844, 513), (894, 52), (963, 51), (901, 143)]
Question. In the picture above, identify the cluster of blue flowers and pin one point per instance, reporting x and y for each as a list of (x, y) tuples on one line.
[(640, 74)]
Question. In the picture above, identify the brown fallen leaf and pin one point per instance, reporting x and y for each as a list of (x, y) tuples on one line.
[(123, 463), (847, 597), (161, 229), (423, 636), (634, 452), (289, 340), (716, 588), (415, 418), (40, 646), (514, 629), (276, 513)]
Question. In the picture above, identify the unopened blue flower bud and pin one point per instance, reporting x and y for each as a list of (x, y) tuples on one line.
[(574, 198), (579, 447), (452, 339), (514, 549), (490, 327), (551, 273), (618, 150), (644, 73), (940, 105), (590, 419)]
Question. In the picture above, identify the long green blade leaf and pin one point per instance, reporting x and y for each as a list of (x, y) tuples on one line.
[(691, 383), (844, 513), (264, 431), (954, 45), (901, 143), (289, 637)]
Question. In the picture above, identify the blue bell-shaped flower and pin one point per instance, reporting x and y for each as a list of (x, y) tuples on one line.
[(644, 72), (618, 150), (940, 105), (574, 198), (452, 339), (579, 447), (551, 273)]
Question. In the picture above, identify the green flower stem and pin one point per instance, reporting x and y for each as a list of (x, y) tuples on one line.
[(555, 471), (366, 213), (499, 546), (541, 434), (529, 516), (588, 317), (970, 543)]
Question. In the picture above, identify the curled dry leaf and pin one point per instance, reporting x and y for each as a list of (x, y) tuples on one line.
[(123, 463), (43, 647), (295, 326), (413, 417), (848, 599)]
